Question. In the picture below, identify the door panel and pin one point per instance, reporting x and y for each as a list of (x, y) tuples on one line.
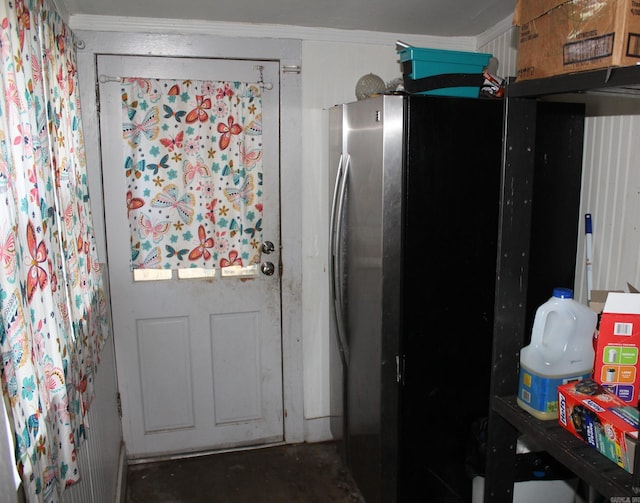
[(199, 359), (236, 367), (153, 338)]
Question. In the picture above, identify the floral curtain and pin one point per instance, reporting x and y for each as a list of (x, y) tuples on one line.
[(52, 306), (193, 162)]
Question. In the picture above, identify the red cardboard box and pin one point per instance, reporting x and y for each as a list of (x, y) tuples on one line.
[(600, 418), (616, 364)]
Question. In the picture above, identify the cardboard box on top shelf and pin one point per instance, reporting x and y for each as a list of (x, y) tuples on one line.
[(601, 419), (565, 36), (617, 347)]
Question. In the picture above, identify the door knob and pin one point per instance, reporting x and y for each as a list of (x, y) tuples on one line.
[(267, 247), (267, 268)]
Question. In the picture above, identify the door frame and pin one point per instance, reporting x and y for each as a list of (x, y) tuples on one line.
[(287, 53)]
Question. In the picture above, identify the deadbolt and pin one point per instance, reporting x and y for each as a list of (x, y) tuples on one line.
[(268, 268)]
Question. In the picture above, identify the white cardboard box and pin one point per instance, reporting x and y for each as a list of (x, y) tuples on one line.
[(534, 491)]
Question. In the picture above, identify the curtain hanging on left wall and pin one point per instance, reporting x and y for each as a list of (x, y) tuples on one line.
[(52, 305)]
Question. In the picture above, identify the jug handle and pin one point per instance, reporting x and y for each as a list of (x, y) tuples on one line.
[(537, 336)]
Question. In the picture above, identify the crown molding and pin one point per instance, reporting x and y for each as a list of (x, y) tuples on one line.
[(227, 29)]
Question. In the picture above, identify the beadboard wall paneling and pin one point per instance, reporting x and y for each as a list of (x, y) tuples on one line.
[(99, 457), (611, 193), (504, 49), (8, 476)]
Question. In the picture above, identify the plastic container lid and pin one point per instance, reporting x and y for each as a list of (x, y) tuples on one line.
[(563, 293)]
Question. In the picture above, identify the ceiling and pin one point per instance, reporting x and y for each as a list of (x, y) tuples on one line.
[(421, 17)]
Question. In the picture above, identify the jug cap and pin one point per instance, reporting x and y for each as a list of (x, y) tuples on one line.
[(563, 293)]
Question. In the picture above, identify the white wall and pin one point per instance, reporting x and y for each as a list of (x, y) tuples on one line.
[(611, 193), (9, 480), (501, 41), (101, 458)]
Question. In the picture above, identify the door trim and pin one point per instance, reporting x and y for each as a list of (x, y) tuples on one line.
[(287, 52)]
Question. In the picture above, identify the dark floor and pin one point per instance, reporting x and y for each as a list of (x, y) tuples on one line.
[(305, 473)]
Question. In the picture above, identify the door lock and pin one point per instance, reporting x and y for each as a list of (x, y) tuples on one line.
[(267, 247), (268, 268)]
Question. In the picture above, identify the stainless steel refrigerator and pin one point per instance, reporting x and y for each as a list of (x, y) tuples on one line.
[(414, 216)]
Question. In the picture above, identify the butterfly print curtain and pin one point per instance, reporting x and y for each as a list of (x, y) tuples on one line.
[(193, 164), (52, 307)]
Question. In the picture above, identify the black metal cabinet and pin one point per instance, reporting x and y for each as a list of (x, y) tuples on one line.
[(521, 285)]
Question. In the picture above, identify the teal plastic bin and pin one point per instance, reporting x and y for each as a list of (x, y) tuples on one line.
[(442, 72)]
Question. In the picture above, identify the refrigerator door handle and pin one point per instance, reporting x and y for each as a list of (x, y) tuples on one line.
[(335, 259)]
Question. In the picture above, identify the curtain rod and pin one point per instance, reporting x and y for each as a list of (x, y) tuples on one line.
[(102, 78), (259, 68)]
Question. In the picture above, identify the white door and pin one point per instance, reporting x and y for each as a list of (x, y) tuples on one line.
[(199, 360)]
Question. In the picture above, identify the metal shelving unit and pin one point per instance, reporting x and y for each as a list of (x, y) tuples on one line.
[(506, 420), (584, 461), (625, 80)]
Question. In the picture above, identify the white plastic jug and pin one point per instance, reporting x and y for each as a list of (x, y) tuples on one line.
[(561, 350)]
